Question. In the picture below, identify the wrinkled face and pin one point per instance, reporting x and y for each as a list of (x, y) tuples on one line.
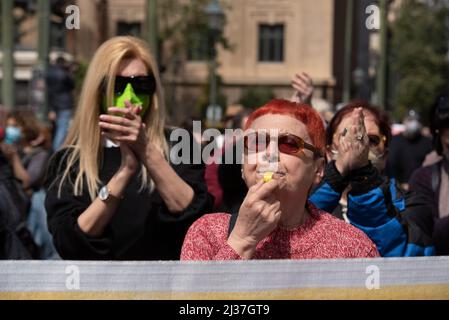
[(378, 152), (299, 171)]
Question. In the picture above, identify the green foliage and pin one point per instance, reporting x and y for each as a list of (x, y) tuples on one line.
[(79, 75), (254, 97), (204, 99), (183, 23), (420, 54)]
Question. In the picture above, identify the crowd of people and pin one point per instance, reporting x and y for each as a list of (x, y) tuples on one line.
[(102, 185)]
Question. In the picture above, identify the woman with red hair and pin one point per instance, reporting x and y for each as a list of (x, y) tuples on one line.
[(284, 144)]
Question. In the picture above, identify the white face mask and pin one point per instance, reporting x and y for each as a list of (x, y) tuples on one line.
[(412, 127), (376, 158)]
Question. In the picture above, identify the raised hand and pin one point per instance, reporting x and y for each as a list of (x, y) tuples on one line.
[(303, 85), (353, 144)]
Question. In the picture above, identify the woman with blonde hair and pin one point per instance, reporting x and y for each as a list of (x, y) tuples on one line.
[(112, 193)]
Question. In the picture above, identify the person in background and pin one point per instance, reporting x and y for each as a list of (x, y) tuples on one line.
[(356, 189), (302, 83), (60, 84), (114, 191), (285, 141), (30, 141), (229, 174), (224, 180), (15, 239), (433, 180), (408, 150), (34, 150), (13, 141)]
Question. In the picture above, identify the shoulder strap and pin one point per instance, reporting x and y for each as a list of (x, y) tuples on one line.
[(232, 221), (391, 209)]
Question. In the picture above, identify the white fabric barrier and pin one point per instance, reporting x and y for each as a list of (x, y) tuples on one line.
[(382, 278)]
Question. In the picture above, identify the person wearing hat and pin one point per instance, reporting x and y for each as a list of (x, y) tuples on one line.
[(433, 181)]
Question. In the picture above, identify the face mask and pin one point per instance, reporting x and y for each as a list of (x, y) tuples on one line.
[(12, 134), (412, 128), (142, 100), (377, 159)]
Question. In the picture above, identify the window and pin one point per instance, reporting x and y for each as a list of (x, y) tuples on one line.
[(128, 29), (198, 49), (271, 43)]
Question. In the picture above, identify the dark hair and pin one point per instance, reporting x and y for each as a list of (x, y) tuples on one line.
[(380, 117), (439, 120), (60, 60), (29, 123)]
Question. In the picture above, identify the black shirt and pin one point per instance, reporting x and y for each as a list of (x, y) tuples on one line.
[(406, 155), (142, 228)]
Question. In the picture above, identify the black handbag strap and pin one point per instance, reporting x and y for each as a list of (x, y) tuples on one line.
[(232, 220)]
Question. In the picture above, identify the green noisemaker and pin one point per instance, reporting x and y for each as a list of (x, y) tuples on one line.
[(142, 100)]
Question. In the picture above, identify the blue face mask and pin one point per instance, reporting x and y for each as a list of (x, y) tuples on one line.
[(12, 134)]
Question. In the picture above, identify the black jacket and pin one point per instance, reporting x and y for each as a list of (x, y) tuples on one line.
[(60, 85), (406, 155), (142, 227), (426, 180)]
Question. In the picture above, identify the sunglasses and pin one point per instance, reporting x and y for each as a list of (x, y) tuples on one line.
[(374, 140), (140, 84), (287, 143)]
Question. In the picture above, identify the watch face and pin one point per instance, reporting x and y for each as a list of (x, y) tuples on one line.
[(104, 193)]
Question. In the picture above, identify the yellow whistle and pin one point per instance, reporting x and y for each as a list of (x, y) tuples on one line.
[(267, 176)]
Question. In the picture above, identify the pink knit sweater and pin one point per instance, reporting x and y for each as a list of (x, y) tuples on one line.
[(322, 236)]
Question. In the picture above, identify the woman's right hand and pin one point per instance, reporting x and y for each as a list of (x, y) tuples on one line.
[(353, 147), (130, 163), (258, 216)]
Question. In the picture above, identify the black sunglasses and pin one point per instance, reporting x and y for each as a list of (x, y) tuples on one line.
[(140, 84), (374, 140), (287, 143)]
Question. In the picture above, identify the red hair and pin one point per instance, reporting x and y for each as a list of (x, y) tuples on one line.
[(301, 112)]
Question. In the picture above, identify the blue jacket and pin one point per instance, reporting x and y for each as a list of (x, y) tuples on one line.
[(400, 224)]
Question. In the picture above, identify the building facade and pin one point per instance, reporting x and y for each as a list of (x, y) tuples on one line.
[(270, 41)]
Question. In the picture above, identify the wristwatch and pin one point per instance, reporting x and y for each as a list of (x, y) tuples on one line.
[(105, 194)]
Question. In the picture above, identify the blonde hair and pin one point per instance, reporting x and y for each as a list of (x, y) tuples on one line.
[(83, 141)]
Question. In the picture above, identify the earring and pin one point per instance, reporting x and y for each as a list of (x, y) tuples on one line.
[(241, 170)]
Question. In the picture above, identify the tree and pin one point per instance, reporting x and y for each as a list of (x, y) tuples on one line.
[(183, 26), (420, 54), (254, 97)]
